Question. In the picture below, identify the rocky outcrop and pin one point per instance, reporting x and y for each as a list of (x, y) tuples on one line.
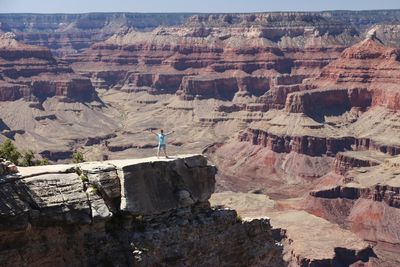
[(129, 212), (346, 161), (7, 167), (220, 87), (331, 101), (389, 195), (308, 145), (368, 61), (312, 143), (377, 182), (31, 73)]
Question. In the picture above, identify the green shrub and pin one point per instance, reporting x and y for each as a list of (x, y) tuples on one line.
[(28, 158), (84, 178), (95, 189), (42, 162), (9, 151), (77, 157)]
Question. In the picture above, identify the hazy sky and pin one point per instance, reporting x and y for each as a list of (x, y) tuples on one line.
[(81, 6)]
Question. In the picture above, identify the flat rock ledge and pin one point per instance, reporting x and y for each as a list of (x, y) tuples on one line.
[(81, 193)]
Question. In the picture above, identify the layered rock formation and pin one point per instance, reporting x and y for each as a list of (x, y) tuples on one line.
[(344, 119), (31, 73), (349, 92), (68, 33), (132, 212), (368, 70), (251, 48)]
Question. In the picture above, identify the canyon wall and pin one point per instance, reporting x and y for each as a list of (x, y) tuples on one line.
[(32, 73), (74, 32)]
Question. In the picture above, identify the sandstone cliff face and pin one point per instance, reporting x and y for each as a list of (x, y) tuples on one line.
[(127, 213), (31, 73), (346, 161)]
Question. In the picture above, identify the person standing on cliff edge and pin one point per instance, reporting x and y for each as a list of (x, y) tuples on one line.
[(162, 144)]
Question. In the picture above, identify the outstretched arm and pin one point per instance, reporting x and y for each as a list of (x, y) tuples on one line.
[(151, 131), (170, 133)]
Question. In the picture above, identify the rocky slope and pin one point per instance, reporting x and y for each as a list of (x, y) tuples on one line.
[(366, 200), (42, 97)]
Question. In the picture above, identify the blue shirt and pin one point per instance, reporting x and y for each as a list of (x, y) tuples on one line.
[(161, 139)]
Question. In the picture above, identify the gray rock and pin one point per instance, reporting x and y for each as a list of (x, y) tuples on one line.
[(150, 187), (59, 219), (185, 198), (98, 207), (13, 211), (12, 168), (105, 178), (59, 198)]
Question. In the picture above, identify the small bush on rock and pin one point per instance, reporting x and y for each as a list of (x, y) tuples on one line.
[(9, 151), (77, 157)]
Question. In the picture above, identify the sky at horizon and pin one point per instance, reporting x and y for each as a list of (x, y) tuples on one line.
[(205, 6)]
